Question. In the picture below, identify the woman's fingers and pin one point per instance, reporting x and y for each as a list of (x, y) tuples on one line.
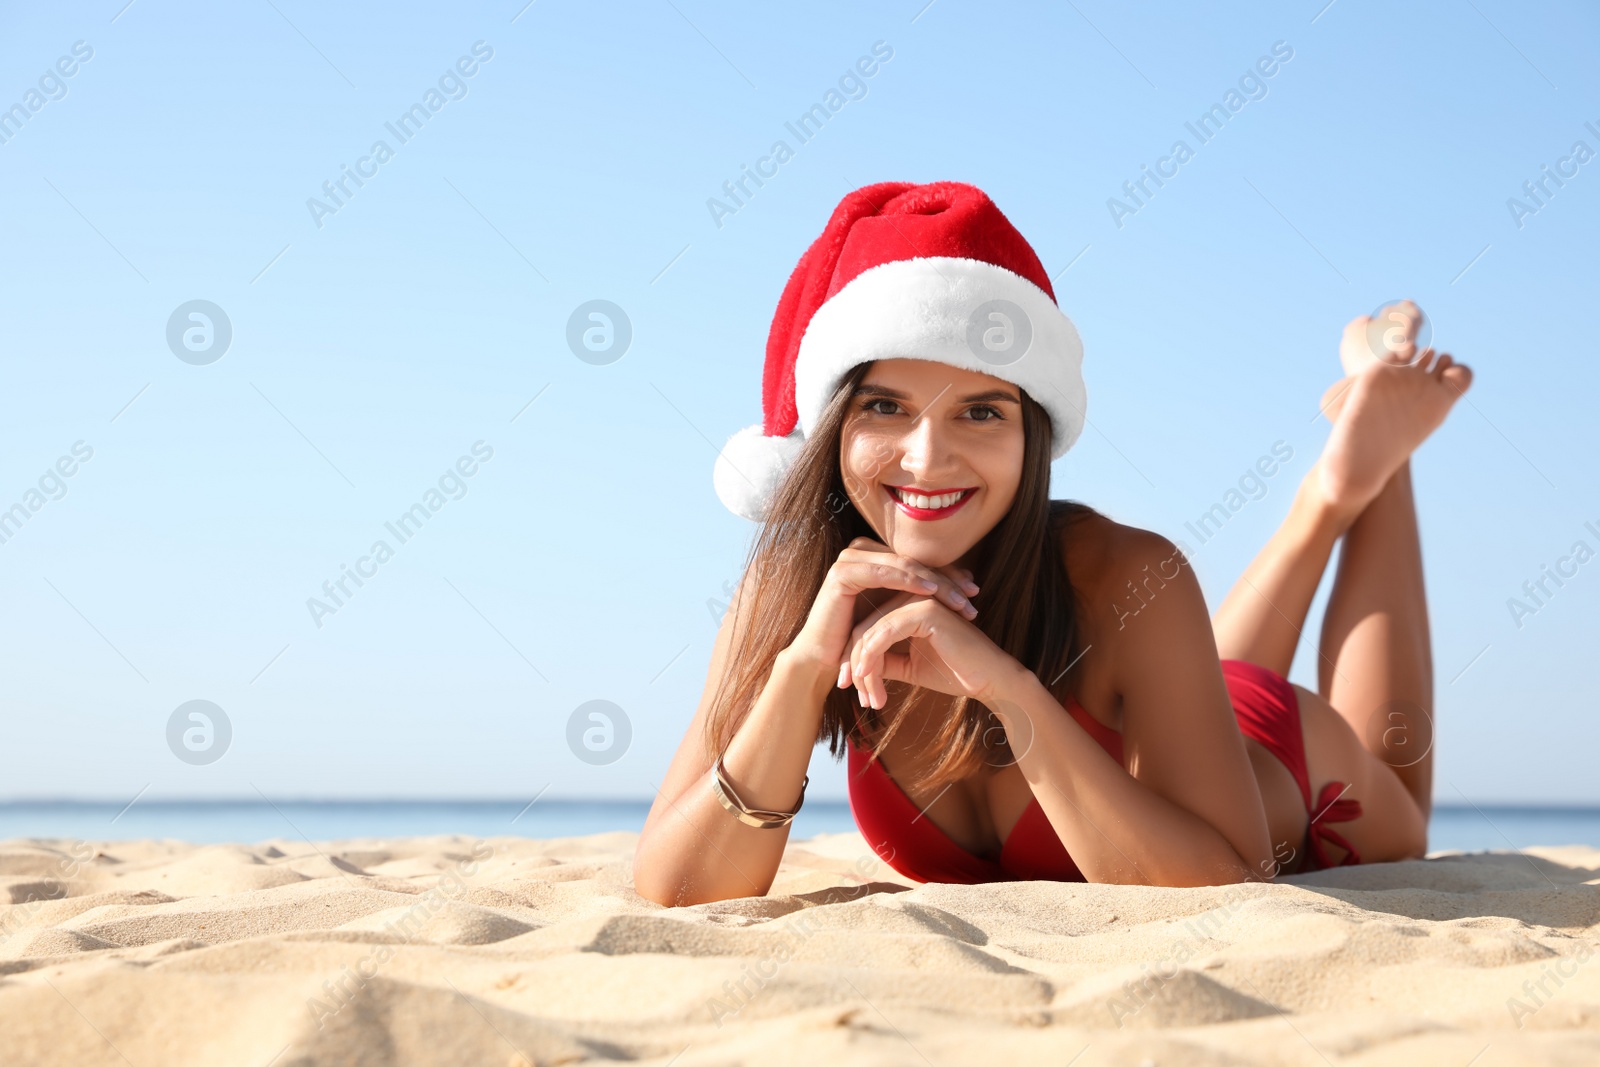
[(867, 545), (846, 674), (927, 661), (869, 653), (872, 570), (897, 667), (897, 601), (867, 564), (964, 578), (874, 684), (869, 681)]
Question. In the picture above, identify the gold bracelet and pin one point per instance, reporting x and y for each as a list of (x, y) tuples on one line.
[(765, 820)]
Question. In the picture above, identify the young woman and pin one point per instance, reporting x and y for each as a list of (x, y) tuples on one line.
[(1024, 687)]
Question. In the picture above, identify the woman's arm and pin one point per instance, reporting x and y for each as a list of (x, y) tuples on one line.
[(1187, 810), (691, 849)]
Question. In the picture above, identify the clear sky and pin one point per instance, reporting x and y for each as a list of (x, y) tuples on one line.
[(568, 155)]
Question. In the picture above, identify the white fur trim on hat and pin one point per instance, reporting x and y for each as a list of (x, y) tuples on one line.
[(925, 309), (749, 468)]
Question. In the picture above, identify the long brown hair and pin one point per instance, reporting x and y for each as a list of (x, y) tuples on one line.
[(1025, 604)]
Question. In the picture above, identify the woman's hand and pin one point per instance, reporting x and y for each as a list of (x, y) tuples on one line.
[(945, 652), (867, 564)]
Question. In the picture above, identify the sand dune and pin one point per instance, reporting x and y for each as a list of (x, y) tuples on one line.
[(453, 951)]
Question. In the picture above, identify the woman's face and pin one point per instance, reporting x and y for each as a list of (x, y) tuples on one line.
[(919, 429)]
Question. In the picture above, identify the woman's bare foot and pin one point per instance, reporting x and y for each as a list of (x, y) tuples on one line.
[(1380, 415), (1388, 337)]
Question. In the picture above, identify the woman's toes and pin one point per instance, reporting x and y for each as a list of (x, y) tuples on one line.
[(1407, 314), (1458, 376), (1391, 335)]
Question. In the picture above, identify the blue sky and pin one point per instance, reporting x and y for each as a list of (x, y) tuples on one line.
[(374, 346)]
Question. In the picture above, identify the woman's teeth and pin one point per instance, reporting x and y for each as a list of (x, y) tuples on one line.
[(932, 503)]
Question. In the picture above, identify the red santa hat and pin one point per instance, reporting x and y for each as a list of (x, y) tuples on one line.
[(931, 272)]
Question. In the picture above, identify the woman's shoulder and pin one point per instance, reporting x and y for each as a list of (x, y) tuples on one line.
[(1103, 555)]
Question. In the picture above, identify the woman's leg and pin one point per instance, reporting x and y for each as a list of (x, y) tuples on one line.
[(1377, 659), (1375, 664), (1264, 613), (1370, 725), (1391, 399)]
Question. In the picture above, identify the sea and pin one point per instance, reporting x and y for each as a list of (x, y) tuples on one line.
[(1455, 827)]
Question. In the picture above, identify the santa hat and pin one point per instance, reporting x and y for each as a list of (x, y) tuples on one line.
[(931, 272)]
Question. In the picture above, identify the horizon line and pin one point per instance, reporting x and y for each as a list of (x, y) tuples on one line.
[(260, 801)]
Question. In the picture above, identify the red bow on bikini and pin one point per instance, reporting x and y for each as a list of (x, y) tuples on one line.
[(1332, 807)]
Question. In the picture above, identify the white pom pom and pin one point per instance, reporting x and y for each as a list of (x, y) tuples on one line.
[(749, 468)]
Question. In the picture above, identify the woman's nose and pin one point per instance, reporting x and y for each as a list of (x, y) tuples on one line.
[(923, 450)]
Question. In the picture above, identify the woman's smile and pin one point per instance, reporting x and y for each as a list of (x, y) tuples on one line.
[(930, 504)]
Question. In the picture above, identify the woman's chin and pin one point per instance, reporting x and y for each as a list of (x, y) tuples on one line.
[(929, 551)]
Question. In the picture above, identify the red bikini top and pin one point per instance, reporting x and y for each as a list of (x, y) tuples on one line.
[(909, 842), (1267, 711)]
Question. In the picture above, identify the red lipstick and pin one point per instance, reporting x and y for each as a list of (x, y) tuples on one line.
[(928, 514)]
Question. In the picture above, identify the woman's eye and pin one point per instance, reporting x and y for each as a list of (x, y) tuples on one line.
[(981, 412)]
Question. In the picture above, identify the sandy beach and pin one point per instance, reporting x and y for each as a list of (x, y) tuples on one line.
[(453, 951)]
